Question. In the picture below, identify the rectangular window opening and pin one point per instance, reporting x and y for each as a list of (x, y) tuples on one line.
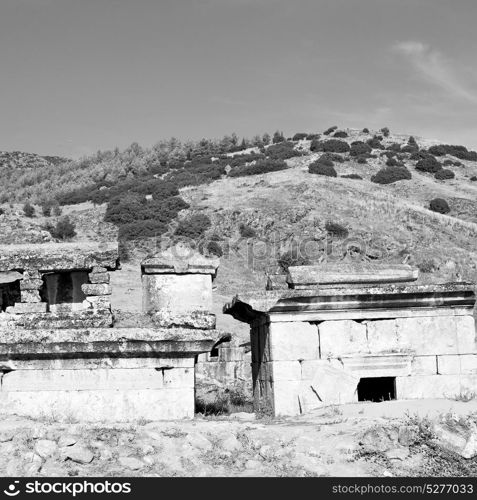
[(377, 389)]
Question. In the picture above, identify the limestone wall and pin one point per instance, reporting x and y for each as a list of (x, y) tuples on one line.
[(298, 366)]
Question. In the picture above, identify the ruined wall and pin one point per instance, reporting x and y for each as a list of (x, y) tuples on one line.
[(298, 366)]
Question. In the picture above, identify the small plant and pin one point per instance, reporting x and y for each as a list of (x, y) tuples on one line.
[(389, 175), (336, 230), (316, 145), (324, 168), (336, 146), (292, 258), (359, 148), (392, 162), (439, 205), (193, 227), (246, 231), (278, 137), (352, 176), (340, 133), (330, 130), (28, 209), (63, 230), (214, 248), (374, 143), (465, 396), (362, 160), (444, 174), (385, 131), (365, 130), (46, 207), (2, 211), (473, 178), (428, 164), (299, 136)]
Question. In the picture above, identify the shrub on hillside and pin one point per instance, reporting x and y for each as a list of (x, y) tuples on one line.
[(428, 164), (142, 229), (336, 146), (340, 133), (412, 142), (362, 160), (46, 207), (330, 130), (385, 131), (316, 145), (310, 137), (246, 231), (460, 152), (282, 151), (444, 174), (2, 211), (278, 137), (193, 227), (359, 148), (374, 143), (365, 130), (28, 209), (322, 168), (439, 205), (473, 178), (388, 175), (292, 258), (260, 167), (299, 136), (352, 176), (393, 162), (214, 248), (395, 146), (336, 230), (63, 230)]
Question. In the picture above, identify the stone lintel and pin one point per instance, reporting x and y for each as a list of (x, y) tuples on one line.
[(50, 257), (342, 273), (363, 300), (180, 260)]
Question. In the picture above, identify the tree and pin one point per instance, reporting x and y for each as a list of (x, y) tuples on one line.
[(29, 209), (64, 229), (266, 139), (278, 137)]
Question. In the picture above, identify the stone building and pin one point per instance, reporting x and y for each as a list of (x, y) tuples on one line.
[(342, 334), (64, 355)]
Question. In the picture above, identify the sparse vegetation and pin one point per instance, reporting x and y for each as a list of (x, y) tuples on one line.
[(359, 148), (64, 229), (336, 146), (444, 174), (460, 152), (439, 205), (389, 175), (193, 227), (330, 130), (352, 176), (428, 164), (340, 134), (246, 231), (28, 209), (260, 167), (282, 151), (325, 168), (336, 230)]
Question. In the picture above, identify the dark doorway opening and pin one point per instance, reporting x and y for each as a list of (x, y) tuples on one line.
[(377, 389), (9, 294), (62, 290)]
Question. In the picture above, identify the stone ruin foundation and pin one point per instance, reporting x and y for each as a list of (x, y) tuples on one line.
[(334, 335), (65, 356)]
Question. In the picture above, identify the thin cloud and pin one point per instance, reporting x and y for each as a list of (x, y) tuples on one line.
[(437, 69)]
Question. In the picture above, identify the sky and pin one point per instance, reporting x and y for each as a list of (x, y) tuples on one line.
[(79, 76)]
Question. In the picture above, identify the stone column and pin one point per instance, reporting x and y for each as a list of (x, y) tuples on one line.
[(177, 288), (98, 290)]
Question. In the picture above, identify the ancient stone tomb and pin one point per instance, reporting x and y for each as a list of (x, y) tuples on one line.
[(64, 354), (347, 335)]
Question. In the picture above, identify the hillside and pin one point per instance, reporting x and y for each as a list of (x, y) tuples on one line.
[(256, 219)]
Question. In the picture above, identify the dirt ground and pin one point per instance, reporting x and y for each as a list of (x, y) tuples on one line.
[(342, 440)]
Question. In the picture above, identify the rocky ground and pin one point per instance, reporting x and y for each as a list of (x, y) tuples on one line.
[(399, 438)]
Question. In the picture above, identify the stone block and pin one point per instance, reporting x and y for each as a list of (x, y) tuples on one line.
[(101, 406), (390, 365), (27, 308), (285, 370), (292, 341), (435, 335), (30, 296), (383, 338), (286, 397), (423, 365), (92, 363), (178, 293), (338, 338), (459, 363), (31, 284), (193, 319), (310, 366), (98, 302), (231, 353), (98, 270), (428, 386), (97, 278), (96, 289), (334, 385), (31, 274), (97, 379)]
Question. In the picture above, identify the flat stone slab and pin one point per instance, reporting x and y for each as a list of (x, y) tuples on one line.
[(180, 260), (346, 273), (59, 256)]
